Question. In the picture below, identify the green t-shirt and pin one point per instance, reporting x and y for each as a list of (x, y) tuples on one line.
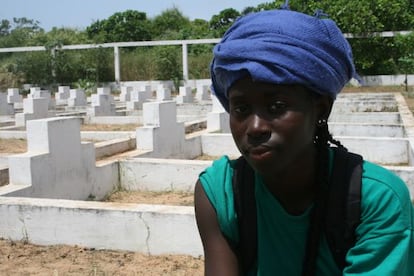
[(385, 243)]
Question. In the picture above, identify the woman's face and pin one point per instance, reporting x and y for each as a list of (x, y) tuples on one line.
[(272, 125)]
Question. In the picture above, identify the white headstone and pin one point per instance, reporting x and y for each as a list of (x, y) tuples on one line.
[(77, 97), (6, 108), (137, 98), (33, 108), (185, 95), (102, 103), (161, 133), (202, 93), (36, 92), (13, 95), (56, 164), (125, 95), (61, 97), (104, 91), (218, 119), (163, 93)]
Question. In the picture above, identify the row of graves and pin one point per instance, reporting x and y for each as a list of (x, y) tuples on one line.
[(55, 189), (40, 104)]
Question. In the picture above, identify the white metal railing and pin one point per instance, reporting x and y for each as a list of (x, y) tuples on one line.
[(117, 45), (183, 43)]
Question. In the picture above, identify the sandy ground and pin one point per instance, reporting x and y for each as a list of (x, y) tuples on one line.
[(19, 258), (164, 198), (22, 258)]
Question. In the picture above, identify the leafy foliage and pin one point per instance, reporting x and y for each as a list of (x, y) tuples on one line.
[(221, 22), (121, 26), (373, 54), (169, 64), (366, 16), (171, 24), (19, 32), (36, 67)]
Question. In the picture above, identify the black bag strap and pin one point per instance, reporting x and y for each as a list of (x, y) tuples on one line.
[(245, 206), (343, 212)]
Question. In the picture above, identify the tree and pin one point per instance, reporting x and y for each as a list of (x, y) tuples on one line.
[(366, 16), (170, 25), (5, 27), (270, 6), (169, 64), (221, 22), (199, 28), (405, 43), (129, 25), (18, 33), (373, 55), (61, 36)]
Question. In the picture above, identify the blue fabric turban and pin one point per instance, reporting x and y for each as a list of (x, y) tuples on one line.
[(283, 47)]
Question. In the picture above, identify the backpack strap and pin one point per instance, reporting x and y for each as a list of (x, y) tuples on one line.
[(344, 204), (342, 215), (245, 206)]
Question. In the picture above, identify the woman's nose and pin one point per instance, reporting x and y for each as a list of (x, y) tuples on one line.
[(258, 130)]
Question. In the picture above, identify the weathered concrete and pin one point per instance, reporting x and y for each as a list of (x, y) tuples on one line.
[(13, 96), (158, 229), (33, 108), (367, 130), (162, 135), (6, 108), (57, 164), (387, 118), (115, 146), (185, 95), (102, 103), (218, 118), (149, 229), (143, 174)]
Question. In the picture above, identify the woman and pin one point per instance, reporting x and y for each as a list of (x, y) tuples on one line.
[(277, 73)]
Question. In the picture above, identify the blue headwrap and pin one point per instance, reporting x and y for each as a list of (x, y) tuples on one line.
[(283, 47)]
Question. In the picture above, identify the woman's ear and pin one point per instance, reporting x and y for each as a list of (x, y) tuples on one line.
[(324, 105)]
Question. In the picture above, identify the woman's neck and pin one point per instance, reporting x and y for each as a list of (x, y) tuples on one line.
[(294, 187)]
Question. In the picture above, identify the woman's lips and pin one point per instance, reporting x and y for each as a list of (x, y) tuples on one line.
[(259, 152)]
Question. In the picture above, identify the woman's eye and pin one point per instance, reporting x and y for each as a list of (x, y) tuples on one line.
[(277, 107), (240, 109)]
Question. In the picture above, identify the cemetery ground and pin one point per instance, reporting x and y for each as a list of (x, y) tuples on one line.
[(23, 258)]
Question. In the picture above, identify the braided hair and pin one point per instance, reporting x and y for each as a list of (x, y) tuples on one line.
[(322, 140)]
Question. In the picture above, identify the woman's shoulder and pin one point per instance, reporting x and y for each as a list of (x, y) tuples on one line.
[(381, 179), (216, 181), (385, 199), (385, 235), (218, 171), (219, 164)]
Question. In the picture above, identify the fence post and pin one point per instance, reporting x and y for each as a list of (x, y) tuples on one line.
[(117, 66), (185, 62)]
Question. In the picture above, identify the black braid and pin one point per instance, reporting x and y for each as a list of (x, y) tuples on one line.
[(323, 138), (322, 141)]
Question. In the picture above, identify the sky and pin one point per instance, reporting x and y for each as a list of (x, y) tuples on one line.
[(82, 13)]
